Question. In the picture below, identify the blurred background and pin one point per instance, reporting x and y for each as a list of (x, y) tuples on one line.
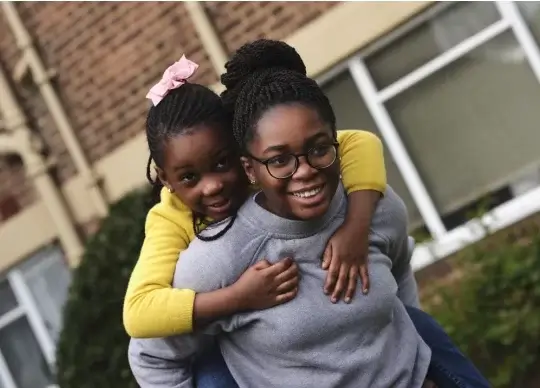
[(452, 89)]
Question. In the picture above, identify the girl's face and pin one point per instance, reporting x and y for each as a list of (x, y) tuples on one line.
[(298, 130), (204, 171)]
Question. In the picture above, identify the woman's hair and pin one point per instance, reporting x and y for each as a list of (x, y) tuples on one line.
[(177, 113), (263, 74)]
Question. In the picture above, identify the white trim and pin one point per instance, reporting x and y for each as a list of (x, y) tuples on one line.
[(425, 16), (426, 207), (26, 300), (11, 316), (502, 216), (443, 60), (5, 374), (332, 73), (510, 13)]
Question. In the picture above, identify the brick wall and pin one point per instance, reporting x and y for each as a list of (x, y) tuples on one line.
[(237, 22), (13, 183), (108, 54)]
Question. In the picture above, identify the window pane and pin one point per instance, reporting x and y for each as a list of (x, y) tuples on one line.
[(23, 356), (531, 13), (453, 25), (352, 113), (472, 126), (48, 278), (7, 298)]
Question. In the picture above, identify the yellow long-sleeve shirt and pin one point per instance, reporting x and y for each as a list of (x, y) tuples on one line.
[(152, 308)]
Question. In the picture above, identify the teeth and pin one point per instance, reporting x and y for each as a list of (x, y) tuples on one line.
[(307, 194)]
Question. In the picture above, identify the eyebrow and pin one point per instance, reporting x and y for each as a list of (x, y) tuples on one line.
[(188, 166), (283, 147), (182, 167)]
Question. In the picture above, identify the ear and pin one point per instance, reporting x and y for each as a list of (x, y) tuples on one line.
[(248, 169), (162, 177)]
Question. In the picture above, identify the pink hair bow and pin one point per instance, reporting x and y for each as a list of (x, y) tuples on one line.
[(174, 77)]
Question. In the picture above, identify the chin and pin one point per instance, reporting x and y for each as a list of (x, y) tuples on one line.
[(311, 213)]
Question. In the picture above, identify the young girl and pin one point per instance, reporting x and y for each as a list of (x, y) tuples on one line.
[(215, 189)]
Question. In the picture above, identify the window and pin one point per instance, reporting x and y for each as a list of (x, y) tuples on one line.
[(453, 94), (463, 123), (23, 355), (440, 29), (531, 13), (352, 113), (48, 278), (31, 300)]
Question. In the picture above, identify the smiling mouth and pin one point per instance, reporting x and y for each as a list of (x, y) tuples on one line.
[(308, 193), (220, 206)]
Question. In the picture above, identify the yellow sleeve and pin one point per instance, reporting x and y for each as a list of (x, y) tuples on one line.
[(152, 307), (362, 161)]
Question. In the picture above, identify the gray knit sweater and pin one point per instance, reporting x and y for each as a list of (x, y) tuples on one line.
[(308, 342)]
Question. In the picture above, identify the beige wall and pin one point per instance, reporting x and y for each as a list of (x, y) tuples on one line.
[(336, 35)]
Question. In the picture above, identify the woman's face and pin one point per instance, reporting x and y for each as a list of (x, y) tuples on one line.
[(293, 129), (203, 170)]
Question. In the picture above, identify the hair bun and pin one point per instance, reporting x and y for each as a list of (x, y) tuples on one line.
[(260, 55)]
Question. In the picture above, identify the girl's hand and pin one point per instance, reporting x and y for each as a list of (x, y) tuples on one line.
[(264, 285), (345, 260), (345, 256)]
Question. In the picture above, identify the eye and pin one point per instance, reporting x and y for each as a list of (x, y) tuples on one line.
[(278, 161), (320, 150), (188, 178), (223, 164)]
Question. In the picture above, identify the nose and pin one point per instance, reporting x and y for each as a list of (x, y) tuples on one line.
[(304, 170), (212, 187)]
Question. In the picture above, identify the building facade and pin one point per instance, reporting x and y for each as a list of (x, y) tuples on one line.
[(451, 88)]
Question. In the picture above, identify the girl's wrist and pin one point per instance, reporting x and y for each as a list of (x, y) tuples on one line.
[(235, 298)]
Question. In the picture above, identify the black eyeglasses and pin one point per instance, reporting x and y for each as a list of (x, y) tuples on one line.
[(284, 166)]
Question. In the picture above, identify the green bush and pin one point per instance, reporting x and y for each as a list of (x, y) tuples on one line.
[(92, 350), (493, 311)]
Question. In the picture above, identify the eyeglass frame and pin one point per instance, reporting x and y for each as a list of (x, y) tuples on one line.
[(297, 157)]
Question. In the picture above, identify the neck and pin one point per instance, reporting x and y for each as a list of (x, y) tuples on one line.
[(262, 200)]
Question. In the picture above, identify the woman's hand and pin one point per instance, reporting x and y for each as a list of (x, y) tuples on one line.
[(264, 285), (345, 260)]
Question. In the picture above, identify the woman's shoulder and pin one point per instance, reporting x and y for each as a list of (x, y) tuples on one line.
[(390, 218)]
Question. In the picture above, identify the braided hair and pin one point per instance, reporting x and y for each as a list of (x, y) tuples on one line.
[(263, 74), (177, 113)]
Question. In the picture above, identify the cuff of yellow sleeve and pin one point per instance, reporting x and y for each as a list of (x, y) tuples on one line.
[(182, 315), (372, 186)]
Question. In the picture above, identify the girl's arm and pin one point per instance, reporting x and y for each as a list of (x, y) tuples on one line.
[(152, 308), (362, 161), (364, 177)]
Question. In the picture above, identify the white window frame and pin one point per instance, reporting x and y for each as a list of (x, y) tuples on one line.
[(444, 242), (27, 307)]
